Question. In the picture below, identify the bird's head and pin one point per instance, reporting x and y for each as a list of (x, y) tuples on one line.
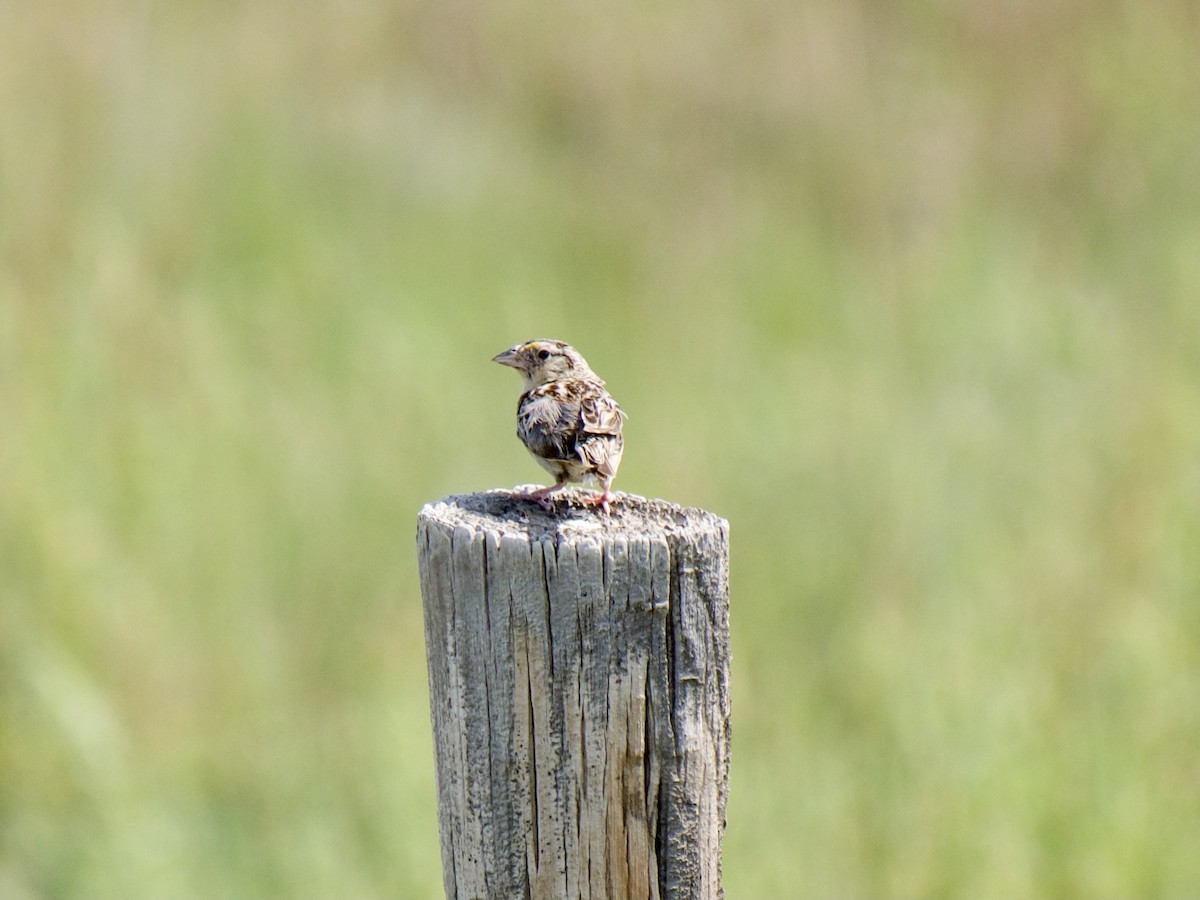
[(544, 361)]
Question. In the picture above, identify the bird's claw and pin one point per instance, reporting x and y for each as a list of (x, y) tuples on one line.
[(601, 500), (541, 496)]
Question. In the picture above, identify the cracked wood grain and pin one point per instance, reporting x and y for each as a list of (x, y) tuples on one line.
[(579, 691)]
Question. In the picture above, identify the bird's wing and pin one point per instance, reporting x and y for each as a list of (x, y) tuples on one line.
[(546, 422), (599, 414), (600, 443)]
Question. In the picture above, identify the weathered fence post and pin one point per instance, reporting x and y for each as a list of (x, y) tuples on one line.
[(579, 686)]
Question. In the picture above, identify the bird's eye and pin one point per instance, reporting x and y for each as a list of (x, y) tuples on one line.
[(543, 355)]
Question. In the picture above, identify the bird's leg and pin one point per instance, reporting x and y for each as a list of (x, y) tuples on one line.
[(602, 499), (541, 496)]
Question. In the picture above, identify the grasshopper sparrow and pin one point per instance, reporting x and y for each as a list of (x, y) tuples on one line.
[(565, 418)]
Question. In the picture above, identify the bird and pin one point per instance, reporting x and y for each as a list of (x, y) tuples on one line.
[(566, 419)]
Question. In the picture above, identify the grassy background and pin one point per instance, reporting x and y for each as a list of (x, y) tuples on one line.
[(911, 294)]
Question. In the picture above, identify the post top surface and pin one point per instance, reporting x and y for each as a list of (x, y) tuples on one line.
[(507, 511)]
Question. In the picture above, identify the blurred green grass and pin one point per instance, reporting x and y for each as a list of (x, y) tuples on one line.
[(909, 295)]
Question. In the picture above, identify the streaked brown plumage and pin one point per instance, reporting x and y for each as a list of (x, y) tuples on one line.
[(565, 417)]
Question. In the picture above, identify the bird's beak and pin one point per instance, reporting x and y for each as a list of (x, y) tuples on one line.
[(508, 358)]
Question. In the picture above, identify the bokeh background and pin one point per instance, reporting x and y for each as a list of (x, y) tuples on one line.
[(910, 293)]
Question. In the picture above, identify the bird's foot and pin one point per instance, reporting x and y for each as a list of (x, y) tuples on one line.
[(601, 500), (541, 496)]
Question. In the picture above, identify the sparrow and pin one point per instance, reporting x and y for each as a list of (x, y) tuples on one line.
[(566, 418)]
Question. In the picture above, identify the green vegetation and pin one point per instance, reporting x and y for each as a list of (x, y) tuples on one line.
[(911, 295)]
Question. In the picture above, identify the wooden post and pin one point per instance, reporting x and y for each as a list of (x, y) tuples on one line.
[(579, 686)]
